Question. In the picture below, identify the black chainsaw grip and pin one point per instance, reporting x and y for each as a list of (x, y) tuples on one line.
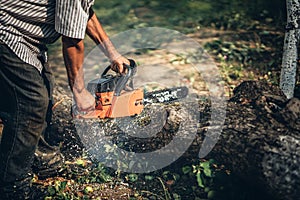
[(132, 66), (131, 70), (105, 71)]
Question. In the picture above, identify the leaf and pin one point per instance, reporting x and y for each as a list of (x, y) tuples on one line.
[(211, 194), (80, 162), (207, 172), (51, 190), (205, 165), (88, 189), (132, 177), (63, 185), (149, 178), (206, 189), (186, 169), (176, 196), (106, 177), (199, 179)]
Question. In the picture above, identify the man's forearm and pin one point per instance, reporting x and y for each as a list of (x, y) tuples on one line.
[(96, 32), (73, 51)]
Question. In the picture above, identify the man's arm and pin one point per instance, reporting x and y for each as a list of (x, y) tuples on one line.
[(96, 32), (73, 51)]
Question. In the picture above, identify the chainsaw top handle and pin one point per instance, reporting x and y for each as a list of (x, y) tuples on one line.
[(122, 82)]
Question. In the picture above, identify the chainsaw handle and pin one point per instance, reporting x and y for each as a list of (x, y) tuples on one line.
[(131, 70), (132, 66), (123, 80)]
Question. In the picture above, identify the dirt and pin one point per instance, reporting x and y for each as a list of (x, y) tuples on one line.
[(165, 68)]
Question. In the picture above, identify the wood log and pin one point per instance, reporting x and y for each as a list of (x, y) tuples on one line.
[(260, 141)]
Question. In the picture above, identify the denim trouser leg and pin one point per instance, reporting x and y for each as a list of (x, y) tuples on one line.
[(23, 108)]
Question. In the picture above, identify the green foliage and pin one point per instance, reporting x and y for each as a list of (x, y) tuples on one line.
[(84, 176), (58, 190), (186, 169), (100, 174), (132, 177), (188, 15), (247, 59), (236, 51), (203, 173)]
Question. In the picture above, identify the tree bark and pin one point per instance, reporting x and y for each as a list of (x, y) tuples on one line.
[(260, 140), (289, 60)]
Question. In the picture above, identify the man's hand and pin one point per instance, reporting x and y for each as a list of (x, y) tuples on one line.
[(85, 102), (118, 64)]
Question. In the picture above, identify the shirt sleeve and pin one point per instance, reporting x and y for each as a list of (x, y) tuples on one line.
[(71, 17)]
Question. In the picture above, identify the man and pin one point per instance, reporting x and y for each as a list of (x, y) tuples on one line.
[(25, 78)]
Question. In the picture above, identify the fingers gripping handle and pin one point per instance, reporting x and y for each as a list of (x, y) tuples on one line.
[(132, 65), (122, 82)]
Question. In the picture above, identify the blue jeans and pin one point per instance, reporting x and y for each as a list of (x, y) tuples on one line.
[(24, 109)]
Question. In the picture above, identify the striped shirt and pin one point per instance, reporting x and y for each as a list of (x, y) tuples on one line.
[(27, 26)]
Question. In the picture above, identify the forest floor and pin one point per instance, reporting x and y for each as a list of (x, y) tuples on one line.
[(234, 53), (238, 54), (86, 178)]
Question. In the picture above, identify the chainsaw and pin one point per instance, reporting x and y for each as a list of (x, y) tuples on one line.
[(116, 97)]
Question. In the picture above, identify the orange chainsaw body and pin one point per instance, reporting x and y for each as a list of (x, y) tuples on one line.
[(127, 104), (112, 99), (108, 105)]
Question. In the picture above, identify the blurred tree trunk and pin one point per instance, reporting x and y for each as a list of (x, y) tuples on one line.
[(289, 60)]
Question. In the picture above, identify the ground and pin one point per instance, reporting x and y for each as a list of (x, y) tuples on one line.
[(240, 53), (87, 178)]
